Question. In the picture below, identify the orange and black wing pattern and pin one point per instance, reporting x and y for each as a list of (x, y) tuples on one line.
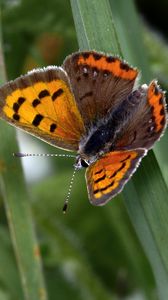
[(108, 175), (42, 103), (147, 121), (100, 83)]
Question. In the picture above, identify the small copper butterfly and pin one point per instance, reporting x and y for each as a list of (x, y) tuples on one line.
[(90, 105)]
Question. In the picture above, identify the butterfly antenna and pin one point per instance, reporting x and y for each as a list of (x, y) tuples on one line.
[(69, 191), (20, 154)]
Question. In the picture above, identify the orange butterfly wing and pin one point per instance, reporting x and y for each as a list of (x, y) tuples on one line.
[(41, 102), (108, 175)]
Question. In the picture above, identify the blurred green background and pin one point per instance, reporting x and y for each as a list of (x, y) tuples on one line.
[(91, 252)]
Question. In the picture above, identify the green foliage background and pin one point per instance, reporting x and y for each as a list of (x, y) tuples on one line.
[(91, 252)]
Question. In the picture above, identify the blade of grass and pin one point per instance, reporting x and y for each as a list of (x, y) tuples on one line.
[(146, 195), (148, 212), (15, 196), (9, 276), (153, 203), (129, 35), (93, 28)]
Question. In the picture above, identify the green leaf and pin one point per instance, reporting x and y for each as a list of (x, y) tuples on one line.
[(93, 28), (9, 275), (18, 211), (146, 195)]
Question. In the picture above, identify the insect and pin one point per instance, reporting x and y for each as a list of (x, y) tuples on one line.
[(90, 105)]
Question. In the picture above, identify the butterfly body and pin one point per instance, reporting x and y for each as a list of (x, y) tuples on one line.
[(103, 136), (90, 105)]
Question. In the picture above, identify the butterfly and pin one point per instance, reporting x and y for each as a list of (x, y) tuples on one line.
[(90, 105)]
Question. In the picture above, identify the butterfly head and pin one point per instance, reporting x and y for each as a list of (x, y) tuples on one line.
[(99, 140), (91, 147), (82, 162)]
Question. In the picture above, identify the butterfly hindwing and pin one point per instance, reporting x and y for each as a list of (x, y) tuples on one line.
[(147, 112), (41, 102), (108, 175), (100, 83)]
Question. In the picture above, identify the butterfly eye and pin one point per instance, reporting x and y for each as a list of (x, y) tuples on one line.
[(84, 164), (80, 163)]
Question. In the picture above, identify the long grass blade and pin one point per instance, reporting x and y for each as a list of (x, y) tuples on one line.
[(16, 200), (146, 195)]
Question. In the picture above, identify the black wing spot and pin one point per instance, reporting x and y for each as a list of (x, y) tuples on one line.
[(38, 118), (21, 100), (53, 126), (110, 59), (126, 158), (86, 55), (16, 107), (36, 102), (100, 179), (122, 167), (124, 66), (57, 93), (43, 93), (16, 117), (97, 56), (114, 174), (98, 172), (17, 104), (103, 189)]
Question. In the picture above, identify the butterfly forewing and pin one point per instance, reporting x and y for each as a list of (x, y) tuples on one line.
[(107, 176), (42, 103), (99, 82)]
